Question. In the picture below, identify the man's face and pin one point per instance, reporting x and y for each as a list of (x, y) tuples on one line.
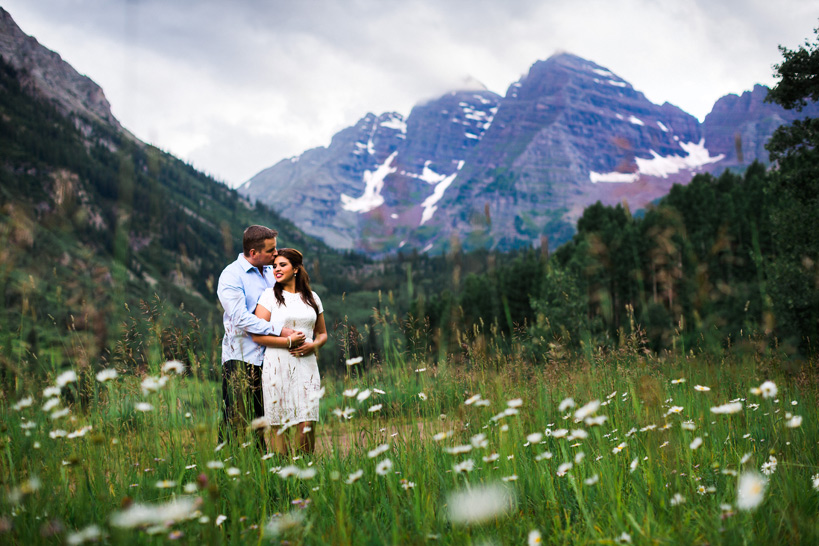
[(265, 256)]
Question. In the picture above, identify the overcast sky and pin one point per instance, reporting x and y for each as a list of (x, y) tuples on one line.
[(235, 86)]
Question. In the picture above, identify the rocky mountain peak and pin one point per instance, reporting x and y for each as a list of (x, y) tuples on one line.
[(48, 76)]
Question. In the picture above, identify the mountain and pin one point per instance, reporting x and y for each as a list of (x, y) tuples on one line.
[(102, 235), (482, 171)]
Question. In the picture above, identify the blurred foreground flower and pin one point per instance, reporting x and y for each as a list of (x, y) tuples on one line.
[(354, 361), (138, 515), (478, 504), (751, 490), (383, 468), (173, 366), (23, 403), (730, 407), (282, 522), (106, 375), (65, 378), (534, 537), (766, 390), (92, 533)]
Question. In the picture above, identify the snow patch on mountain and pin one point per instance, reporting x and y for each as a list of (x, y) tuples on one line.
[(397, 123), (697, 156), (430, 203), (374, 183), (635, 120), (662, 127)]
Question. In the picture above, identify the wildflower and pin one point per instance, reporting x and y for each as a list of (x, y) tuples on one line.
[(165, 484), (219, 447), (534, 438), (419, 370), (769, 467), (422, 396), (592, 480), (577, 434), (677, 499), (65, 378), (28, 425), (363, 395), (534, 537), (143, 406), (471, 400), (701, 388), (407, 485), (383, 468), (50, 392), (442, 436), (282, 522), (106, 375), (688, 425), (559, 433), (794, 422), (479, 441), (138, 515), (23, 403), (92, 533), (383, 448), (619, 448), (59, 414), (815, 480), (597, 420), (751, 490), (190, 488), (633, 465), (491, 458), (587, 410), (478, 504), (544, 455), (173, 366), (354, 477), (565, 404), (673, 409), (51, 403), (354, 361), (578, 457), (625, 538), (514, 403), (233, 472), (79, 433), (58, 433), (349, 393), (220, 519), (678, 381), (466, 466), (316, 395), (375, 408), (766, 390), (215, 464), (612, 395), (730, 407), (564, 468), (457, 450), (697, 442)]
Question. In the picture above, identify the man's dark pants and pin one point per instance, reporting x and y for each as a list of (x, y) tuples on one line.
[(242, 396)]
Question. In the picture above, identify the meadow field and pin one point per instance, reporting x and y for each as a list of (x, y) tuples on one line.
[(605, 447)]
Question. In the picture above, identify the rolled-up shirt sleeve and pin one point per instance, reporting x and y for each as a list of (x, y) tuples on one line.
[(233, 300)]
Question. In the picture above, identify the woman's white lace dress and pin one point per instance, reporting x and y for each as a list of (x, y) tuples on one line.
[(290, 383)]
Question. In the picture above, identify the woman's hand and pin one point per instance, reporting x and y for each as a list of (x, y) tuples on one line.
[(306, 348)]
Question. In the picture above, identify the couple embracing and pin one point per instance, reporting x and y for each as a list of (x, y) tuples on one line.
[(274, 324)]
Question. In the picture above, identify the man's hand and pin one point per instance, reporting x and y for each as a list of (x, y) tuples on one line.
[(297, 338)]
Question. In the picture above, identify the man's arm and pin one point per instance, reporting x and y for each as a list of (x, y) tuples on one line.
[(232, 298)]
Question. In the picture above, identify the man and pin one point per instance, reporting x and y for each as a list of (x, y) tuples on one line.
[(240, 285)]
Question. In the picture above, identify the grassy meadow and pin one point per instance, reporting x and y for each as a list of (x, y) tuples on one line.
[(603, 447)]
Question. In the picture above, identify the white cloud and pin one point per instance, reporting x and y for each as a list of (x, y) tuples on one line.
[(235, 89)]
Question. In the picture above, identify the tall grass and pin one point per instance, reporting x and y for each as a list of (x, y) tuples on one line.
[(661, 468)]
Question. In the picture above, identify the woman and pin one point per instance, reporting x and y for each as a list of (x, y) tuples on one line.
[(290, 375)]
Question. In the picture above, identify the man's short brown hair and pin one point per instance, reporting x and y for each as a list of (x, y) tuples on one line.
[(255, 236)]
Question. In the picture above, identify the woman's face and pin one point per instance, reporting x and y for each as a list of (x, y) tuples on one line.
[(283, 270)]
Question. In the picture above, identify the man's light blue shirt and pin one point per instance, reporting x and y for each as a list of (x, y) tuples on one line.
[(240, 286)]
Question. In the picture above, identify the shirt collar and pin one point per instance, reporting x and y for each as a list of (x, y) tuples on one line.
[(247, 266)]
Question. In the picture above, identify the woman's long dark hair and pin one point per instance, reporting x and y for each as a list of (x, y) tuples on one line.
[(302, 279)]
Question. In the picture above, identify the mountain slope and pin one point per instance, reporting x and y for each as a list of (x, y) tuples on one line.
[(508, 172)]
